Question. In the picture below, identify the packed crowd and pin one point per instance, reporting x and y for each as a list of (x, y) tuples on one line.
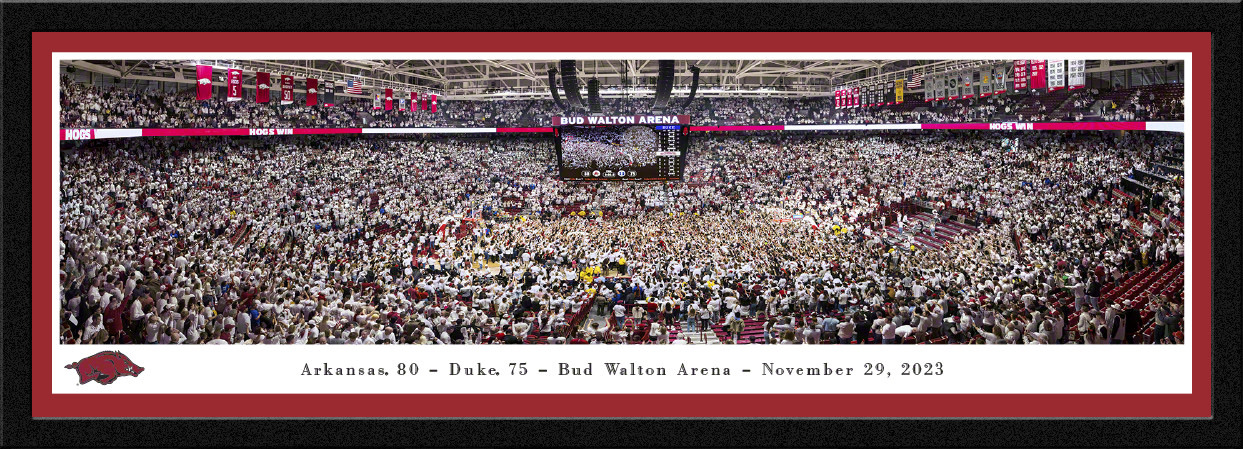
[(633, 146), (85, 106), (455, 240), (1145, 104)]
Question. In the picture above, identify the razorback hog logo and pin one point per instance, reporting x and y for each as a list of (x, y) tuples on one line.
[(105, 367), (311, 91), (263, 86), (204, 81)]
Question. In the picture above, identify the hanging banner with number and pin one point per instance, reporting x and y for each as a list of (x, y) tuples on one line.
[(234, 83), (286, 89)]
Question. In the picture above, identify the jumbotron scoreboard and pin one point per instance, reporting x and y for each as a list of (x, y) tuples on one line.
[(622, 148)]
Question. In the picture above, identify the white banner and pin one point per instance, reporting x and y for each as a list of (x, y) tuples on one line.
[(1057, 74), (1075, 73)]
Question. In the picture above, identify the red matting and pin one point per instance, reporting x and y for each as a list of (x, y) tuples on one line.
[(46, 404)]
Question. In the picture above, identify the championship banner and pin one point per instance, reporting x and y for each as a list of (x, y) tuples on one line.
[(423, 104), (312, 91), (263, 86), (375, 102), (330, 93), (286, 89), (985, 85), (234, 92), (1057, 74), (433, 102), (899, 85), (954, 79), (837, 99), (1020, 75), (1075, 73), (999, 78), (855, 97), (1036, 74), (204, 82), (968, 90), (414, 101), (401, 105), (388, 99)]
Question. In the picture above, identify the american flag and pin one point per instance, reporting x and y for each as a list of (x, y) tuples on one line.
[(916, 80), (353, 88)]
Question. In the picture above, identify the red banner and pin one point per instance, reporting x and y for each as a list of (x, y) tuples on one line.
[(414, 101), (234, 85), (1036, 73), (263, 84), (433, 102), (854, 97), (423, 103), (388, 99), (204, 82), (312, 91), (1020, 74), (286, 89)]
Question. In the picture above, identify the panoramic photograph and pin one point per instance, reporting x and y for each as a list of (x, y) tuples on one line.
[(621, 202)]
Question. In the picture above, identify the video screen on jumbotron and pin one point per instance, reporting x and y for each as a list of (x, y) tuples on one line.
[(621, 152)]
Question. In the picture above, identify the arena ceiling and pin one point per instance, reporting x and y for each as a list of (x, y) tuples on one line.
[(528, 79)]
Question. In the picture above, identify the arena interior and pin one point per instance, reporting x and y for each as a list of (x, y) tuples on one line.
[(820, 202)]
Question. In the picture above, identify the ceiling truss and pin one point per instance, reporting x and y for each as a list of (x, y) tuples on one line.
[(506, 78)]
